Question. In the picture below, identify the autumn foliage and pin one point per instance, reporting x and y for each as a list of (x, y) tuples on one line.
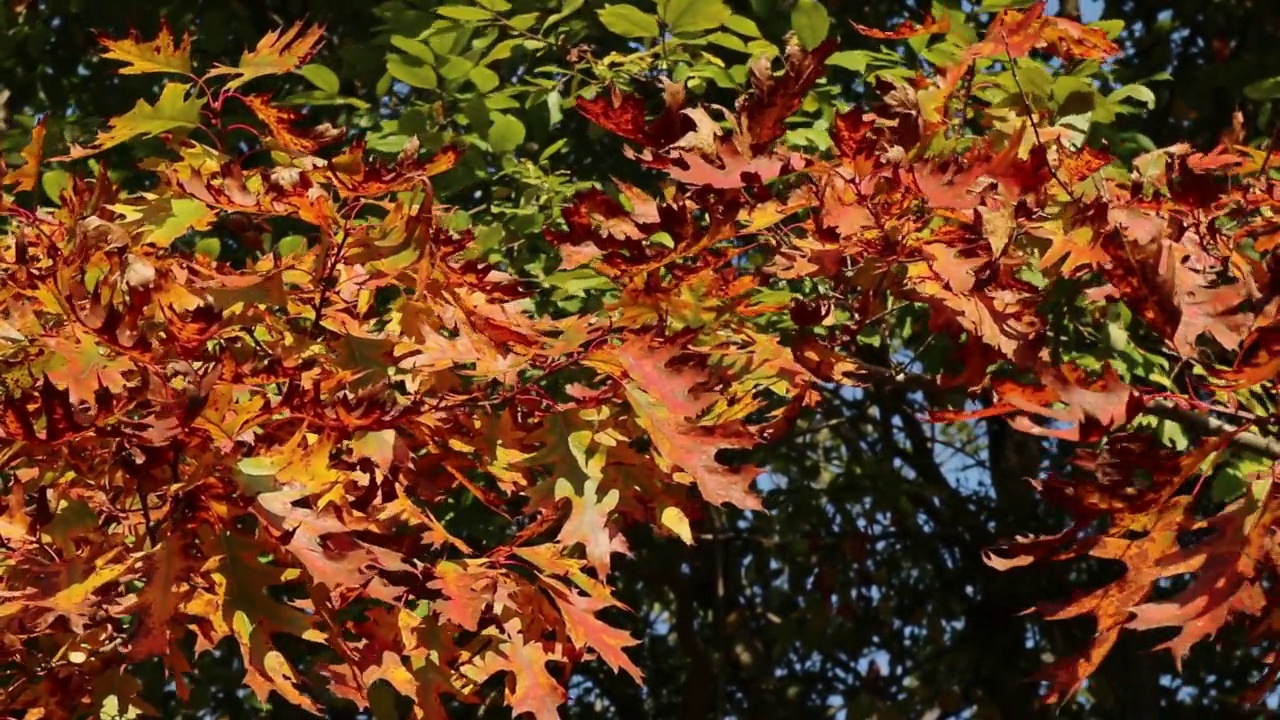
[(272, 446)]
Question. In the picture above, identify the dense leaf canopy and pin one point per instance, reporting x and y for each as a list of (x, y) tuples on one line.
[(676, 359)]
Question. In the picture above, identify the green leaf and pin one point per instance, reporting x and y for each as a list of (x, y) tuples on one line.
[(291, 245), (171, 112), (576, 282), (1268, 89), (1135, 92), (456, 68), (554, 101), (54, 182), (568, 8), (464, 13), (552, 149), (810, 21), (523, 22), (209, 247), (995, 5), (484, 79), (505, 133), (322, 77), (742, 26), (184, 214), (628, 21), (1112, 28), (727, 40), (855, 60), (415, 48), (414, 75), (501, 51), (257, 475), (688, 16)]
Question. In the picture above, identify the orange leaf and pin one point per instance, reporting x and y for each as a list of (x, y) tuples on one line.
[(587, 630), (24, 178), (908, 29), (666, 406), (280, 123), (281, 51), (531, 688)]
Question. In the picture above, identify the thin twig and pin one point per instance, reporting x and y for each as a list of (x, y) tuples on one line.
[(1165, 409), (1035, 129), (1267, 447)]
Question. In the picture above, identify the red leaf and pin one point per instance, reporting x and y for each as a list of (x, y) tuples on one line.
[(586, 630), (908, 28)]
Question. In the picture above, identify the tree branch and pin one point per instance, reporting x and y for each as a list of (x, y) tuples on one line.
[(1243, 439), (1264, 446)]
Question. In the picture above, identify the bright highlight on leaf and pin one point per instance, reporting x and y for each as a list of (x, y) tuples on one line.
[(281, 51), (160, 55)]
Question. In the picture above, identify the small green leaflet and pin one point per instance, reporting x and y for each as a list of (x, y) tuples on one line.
[(506, 133), (691, 16), (810, 21), (628, 21)]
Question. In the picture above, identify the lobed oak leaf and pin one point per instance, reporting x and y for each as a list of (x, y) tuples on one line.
[(666, 407), (322, 545), (269, 671), (702, 139), (623, 115), (76, 601), (731, 171), (172, 111), (230, 415), (24, 178), (773, 99), (467, 592), (1077, 249), (1111, 605), (550, 559), (391, 668), (160, 55), (1092, 404), (280, 51), (1257, 362), (1074, 41), (241, 581), (530, 689), (354, 177), (1017, 32), (159, 600), (378, 446), (588, 522), (909, 28), (79, 366), (281, 124), (1080, 164), (587, 630)]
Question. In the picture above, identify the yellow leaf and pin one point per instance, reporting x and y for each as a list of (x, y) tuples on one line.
[(157, 56), (24, 178), (674, 519), (171, 112), (71, 600)]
